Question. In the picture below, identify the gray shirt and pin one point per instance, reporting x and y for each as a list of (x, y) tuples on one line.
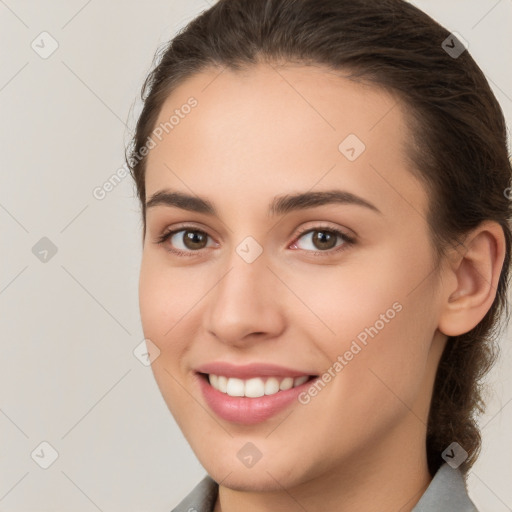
[(446, 493)]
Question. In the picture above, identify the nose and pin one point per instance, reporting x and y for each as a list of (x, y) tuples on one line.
[(245, 306)]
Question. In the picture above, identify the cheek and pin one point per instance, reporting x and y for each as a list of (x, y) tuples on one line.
[(362, 292), (378, 385), (162, 305), (386, 378), (166, 299), (381, 326)]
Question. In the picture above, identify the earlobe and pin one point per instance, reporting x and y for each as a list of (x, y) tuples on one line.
[(475, 269)]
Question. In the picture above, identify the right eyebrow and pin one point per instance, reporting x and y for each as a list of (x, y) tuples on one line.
[(181, 200)]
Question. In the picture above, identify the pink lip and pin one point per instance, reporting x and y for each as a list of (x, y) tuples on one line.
[(244, 410), (250, 370)]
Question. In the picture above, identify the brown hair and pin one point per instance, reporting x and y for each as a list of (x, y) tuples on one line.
[(457, 143)]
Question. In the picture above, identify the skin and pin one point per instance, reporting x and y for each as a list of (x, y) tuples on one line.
[(254, 135)]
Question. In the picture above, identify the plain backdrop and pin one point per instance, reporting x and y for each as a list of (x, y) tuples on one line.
[(69, 262)]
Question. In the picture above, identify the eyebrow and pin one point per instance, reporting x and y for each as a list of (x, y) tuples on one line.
[(280, 205)]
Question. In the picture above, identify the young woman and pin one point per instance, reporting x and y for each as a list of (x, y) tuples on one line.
[(325, 253)]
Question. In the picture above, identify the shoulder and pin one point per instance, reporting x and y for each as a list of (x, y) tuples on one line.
[(202, 497), (447, 492)]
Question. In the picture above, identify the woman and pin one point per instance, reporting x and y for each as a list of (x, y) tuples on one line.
[(325, 252)]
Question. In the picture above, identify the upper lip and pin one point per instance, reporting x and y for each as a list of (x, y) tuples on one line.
[(249, 370)]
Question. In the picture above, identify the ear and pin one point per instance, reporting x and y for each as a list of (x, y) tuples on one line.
[(472, 281)]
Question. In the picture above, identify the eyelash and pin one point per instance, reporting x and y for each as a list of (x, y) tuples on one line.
[(347, 240)]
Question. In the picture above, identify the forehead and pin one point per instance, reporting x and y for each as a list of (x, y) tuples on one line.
[(270, 129)]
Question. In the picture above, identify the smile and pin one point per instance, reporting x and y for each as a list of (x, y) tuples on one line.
[(250, 394), (254, 387)]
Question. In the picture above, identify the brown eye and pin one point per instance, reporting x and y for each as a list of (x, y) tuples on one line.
[(185, 241), (323, 241), (193, 240)]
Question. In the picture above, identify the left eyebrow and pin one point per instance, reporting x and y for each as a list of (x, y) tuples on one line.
[(280, 205), (292, 202)]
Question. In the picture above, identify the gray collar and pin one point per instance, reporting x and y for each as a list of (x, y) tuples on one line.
[(446, 492)]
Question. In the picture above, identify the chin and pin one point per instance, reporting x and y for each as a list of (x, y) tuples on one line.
[(247, 481), (261, 477)]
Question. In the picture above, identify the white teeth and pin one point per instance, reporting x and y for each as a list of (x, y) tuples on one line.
[(254, 387), (300, 380), (286, 384), (222, 384), (235, 387), (271, 386)]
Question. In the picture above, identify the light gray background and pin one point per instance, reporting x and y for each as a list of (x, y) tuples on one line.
[(69, 326)]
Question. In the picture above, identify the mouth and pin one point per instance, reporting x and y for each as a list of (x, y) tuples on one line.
[(254, 387), (252, 400)]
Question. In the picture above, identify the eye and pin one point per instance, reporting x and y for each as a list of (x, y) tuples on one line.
[(185, 241), (323, 241)]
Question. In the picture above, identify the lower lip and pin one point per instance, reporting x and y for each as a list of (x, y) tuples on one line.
[(248, 411)]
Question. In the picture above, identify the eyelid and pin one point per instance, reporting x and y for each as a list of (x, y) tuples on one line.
[(183, 226), (323, 225)]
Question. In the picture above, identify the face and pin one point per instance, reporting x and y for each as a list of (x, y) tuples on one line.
[(301, 258)]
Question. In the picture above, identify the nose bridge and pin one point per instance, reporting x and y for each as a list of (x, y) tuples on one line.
[(246, 282), (244, 301), (247, 265)]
